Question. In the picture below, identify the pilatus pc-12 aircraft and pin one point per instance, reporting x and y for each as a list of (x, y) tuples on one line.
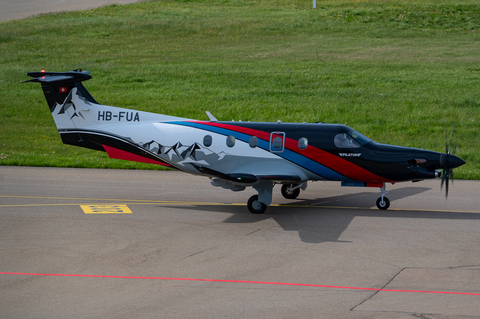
[(236, 155)]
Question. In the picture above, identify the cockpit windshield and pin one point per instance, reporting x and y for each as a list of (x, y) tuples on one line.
[(352, 139), (360, 138)]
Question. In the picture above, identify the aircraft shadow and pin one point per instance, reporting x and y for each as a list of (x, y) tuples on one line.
[(362, 199), (326, 223)]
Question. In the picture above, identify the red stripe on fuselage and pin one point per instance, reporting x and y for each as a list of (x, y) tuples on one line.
[(338, 164), (123, 155)]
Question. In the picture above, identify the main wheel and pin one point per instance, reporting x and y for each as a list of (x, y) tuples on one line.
[(383, 204), (255, 207), (288, 193)]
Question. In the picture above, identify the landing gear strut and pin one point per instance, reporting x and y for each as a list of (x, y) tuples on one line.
[(383, 202)]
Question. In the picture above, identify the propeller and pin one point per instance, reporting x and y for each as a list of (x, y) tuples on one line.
[(448, 162)]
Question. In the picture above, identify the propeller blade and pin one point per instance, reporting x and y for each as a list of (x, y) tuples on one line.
[(446, 142), (446, 187), (447, 162), (443, 178), (451, 138)]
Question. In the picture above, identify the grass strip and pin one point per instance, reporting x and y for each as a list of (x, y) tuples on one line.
[(400, 72)]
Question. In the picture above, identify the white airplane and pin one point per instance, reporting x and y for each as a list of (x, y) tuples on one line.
[(236, 155)]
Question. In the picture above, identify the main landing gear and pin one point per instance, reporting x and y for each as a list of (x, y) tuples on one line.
[(256, 207), (383, 202), (258, 204)]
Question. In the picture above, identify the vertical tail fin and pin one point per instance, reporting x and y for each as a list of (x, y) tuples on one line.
[(81, 121), (57, 85), (66, 97)]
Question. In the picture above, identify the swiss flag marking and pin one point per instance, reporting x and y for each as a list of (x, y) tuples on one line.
[(63, 89)]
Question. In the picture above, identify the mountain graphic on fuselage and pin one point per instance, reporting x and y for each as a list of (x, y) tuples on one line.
[(152, 146), (182, 154)]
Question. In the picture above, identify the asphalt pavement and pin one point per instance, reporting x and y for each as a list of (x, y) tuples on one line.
[(88, 243), (20, 9), (91, 243)]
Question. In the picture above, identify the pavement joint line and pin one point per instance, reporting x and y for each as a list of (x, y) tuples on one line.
[(180, 203), (247, 282), (78, 198), (79, 204)]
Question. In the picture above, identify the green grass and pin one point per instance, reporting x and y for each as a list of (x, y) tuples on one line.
[(400, 72)]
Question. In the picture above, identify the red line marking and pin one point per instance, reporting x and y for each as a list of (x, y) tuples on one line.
[(245, 282)]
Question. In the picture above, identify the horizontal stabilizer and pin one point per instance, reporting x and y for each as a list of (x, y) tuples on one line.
[(50, 77)]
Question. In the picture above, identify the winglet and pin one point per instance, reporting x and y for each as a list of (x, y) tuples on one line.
[(211, 117)]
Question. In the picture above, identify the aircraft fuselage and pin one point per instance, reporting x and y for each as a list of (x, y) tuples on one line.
[(233, 154)]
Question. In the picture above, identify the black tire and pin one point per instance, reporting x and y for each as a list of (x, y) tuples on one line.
[(383, 205), (254, 207), (289, 194)]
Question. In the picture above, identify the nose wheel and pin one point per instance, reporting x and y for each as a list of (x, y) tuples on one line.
[(383, 202)]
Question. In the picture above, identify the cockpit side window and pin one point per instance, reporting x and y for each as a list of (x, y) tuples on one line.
[(343, 140)]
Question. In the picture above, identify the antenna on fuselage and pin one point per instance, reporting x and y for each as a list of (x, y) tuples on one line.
[(211, 117)]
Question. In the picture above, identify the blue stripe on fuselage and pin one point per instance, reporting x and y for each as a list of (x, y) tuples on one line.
[(287, 154)]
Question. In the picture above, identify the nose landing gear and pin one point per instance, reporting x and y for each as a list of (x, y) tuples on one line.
[(383, 202)]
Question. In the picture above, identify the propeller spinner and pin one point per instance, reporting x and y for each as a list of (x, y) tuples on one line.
[(448, 162)]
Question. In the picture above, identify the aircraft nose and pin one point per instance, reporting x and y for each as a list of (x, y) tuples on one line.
[(455, 161)]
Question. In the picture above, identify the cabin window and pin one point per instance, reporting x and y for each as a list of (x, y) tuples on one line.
[(207, 140), (302, 143), (253, 142), (343, 140), (277, 142), (230, 141)]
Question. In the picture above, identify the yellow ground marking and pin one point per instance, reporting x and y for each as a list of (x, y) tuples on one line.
[(106, 209), (190, 203)]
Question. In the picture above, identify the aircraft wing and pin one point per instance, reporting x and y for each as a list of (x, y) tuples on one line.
[(249, 178), (280, 178)]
